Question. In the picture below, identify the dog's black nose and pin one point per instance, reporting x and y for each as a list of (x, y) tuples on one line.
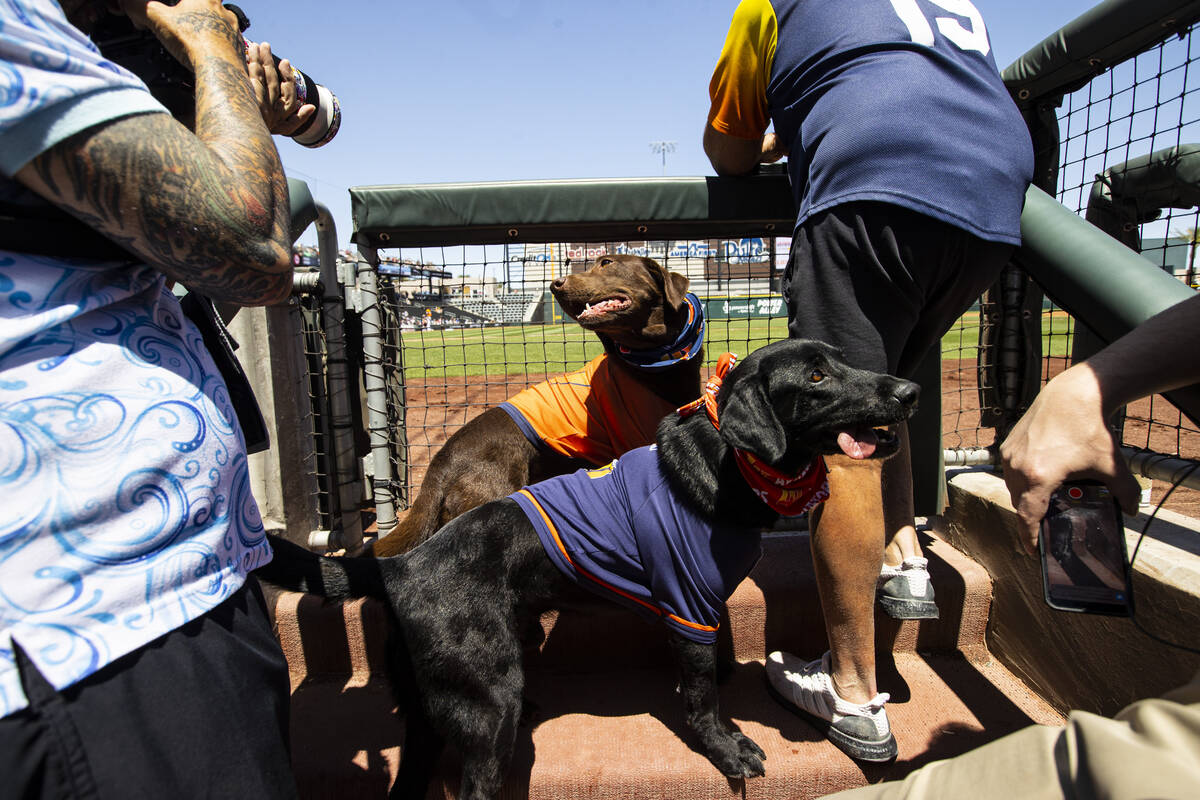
[(906, 392)]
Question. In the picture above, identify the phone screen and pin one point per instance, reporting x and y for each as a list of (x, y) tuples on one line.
[(1082, 544)]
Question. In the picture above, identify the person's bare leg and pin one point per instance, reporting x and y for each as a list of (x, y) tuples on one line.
[(838, 690), (905, 590), (847, 546), (898, 504)]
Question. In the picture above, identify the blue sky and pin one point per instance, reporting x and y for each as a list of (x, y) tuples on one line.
[(483, 90)]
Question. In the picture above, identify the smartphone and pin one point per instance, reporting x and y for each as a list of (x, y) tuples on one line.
[(1082, 547)]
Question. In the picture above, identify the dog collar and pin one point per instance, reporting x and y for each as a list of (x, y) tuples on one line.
[(787, 495), (708, 397), (687, 344)]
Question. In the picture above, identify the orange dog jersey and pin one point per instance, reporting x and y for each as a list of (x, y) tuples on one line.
[(595, 413), (600, 411)]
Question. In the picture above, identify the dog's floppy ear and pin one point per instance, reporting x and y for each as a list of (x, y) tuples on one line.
[(748, 419), (674, 286)]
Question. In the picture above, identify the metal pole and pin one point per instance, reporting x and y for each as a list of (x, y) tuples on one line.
[(1159, 466), (1162, 467), (347, 527), (377, 421), (968, 457)]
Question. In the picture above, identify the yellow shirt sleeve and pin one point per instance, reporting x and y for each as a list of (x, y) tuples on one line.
[(738, 89)]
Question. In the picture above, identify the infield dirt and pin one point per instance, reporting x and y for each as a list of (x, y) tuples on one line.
[(436, 408)]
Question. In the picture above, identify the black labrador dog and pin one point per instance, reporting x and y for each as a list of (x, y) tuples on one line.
[(463, 600)]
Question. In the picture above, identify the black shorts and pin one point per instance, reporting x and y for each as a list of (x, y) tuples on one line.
[(884, 283), (199, 712)]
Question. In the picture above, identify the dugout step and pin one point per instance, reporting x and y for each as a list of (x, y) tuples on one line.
[(776, 608), (606, 720), (622, 734)]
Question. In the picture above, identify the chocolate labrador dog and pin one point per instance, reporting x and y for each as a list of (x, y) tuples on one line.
[(653, 335), (664, 529)]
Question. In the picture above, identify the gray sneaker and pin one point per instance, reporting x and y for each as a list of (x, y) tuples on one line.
[(860, 731), (905, 591)]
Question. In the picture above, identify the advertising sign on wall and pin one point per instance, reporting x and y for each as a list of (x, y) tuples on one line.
[(749, 307)]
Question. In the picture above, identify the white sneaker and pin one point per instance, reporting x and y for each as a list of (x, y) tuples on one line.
[(905, 591), (860, 731)]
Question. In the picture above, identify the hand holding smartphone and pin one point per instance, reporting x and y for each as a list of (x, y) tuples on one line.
[(1082, 548)]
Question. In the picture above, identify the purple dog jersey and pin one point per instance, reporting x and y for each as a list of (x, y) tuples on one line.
[(620, 532)]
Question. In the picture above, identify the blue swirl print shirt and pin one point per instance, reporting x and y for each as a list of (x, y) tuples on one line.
[(620, 532), (125, 508)]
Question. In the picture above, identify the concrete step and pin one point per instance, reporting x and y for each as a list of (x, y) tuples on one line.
[(776, 608), (621, 734), (608, 721)]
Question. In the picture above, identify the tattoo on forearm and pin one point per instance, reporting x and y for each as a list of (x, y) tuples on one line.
[(209, 209), (198, 23)]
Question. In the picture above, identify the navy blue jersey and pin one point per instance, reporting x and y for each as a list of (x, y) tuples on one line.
[(897, 101), (619, 531)]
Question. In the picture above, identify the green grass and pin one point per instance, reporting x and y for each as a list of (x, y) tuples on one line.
[(537, 349), (964, 336)]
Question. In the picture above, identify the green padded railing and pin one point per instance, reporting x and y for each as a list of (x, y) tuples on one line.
[(621, 209), (1106, 35), (1095, 278)]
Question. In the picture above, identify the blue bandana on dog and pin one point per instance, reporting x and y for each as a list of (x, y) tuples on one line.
[(685, 347)]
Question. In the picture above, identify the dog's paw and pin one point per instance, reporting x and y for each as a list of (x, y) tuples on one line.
[(751, 755), (737, 756)]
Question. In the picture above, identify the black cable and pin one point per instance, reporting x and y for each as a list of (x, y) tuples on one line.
[(1132, 558)]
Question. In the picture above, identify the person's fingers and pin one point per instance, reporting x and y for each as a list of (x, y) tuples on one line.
[(1030, 500), (287, 85), (1114, 473), (258, 78), (271, 75), (1126, 490), (305, 112), (1029, 521)]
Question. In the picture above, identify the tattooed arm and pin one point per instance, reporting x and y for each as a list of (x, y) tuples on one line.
[(210, 208)]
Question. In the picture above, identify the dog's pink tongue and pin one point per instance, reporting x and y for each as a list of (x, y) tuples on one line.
[(857, 444), (599, 309)]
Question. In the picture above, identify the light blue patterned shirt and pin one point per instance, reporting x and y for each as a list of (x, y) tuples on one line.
[(125, 505)]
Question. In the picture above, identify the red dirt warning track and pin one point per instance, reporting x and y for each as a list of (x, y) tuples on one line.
[(436, 408)]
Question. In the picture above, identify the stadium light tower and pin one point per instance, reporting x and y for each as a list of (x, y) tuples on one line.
[(664, 148)]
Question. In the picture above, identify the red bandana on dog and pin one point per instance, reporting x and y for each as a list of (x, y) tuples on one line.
[(789, 495)]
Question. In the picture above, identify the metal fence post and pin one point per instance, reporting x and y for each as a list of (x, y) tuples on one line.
[(1010, 349), (347, 489), (373, 377)]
